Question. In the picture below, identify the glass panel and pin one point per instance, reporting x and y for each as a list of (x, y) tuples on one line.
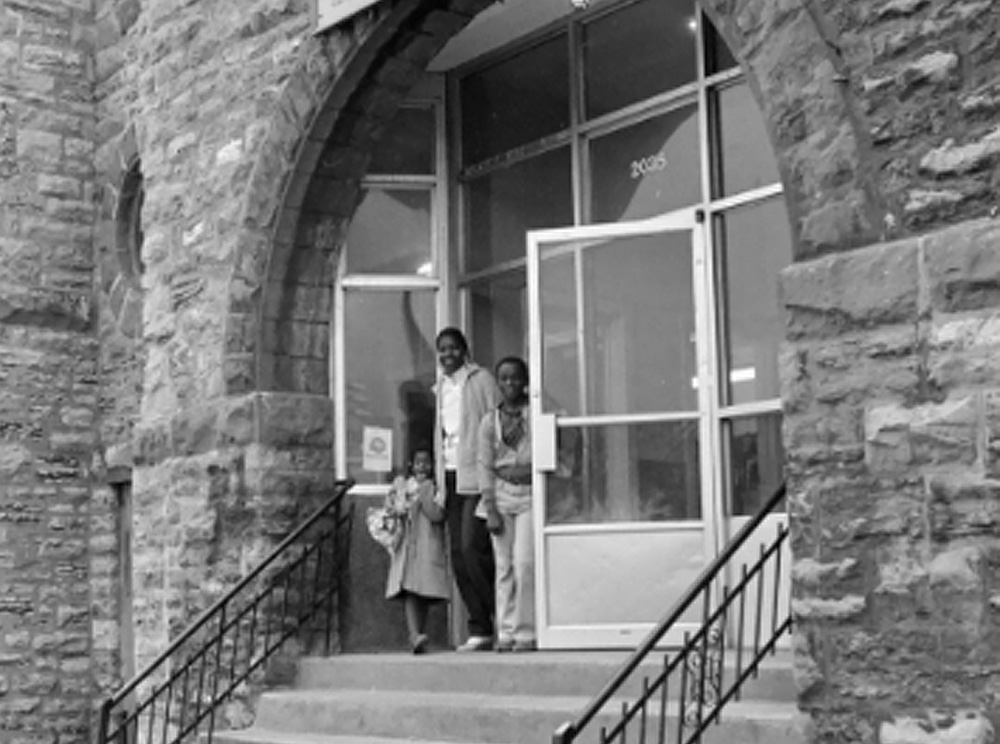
[(390, 369), (636, 52), (756, 461), (744, 158), (646, 169), (640, 344), (619, 577), (560, 354), (391, 233), (516, 101), (717, 54), (505, 204), (755, 243), (407, 147), (625, 473), (498, 324)]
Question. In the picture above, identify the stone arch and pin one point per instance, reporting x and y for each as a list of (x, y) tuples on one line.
[(790, 54), (337, 103)]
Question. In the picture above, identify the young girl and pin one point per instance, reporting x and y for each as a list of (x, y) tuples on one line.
[(505, 477), (417, 572)]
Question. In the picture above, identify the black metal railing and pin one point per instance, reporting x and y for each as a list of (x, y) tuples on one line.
[(297, 587), (685, 695)]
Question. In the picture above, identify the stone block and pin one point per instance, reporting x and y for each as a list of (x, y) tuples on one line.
[(963, 267), (962, 504), (291, 419), (865, 288), (938, 727), (898, 437)]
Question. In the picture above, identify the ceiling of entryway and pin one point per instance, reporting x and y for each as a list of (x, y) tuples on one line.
[(500, 23)]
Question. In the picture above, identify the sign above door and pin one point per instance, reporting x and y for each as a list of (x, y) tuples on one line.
[(328, 13)]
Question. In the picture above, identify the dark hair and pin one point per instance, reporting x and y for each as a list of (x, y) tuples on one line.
[(516, 361), (455, 335), (421, 448)]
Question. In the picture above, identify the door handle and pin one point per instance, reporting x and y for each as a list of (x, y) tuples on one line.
[(545, 454)]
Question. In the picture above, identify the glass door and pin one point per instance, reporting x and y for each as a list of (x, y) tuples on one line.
[(620, 390)]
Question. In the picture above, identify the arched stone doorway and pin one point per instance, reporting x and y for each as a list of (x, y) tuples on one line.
[(281, 331)]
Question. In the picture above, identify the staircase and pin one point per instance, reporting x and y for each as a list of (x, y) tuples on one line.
[(484, 697)]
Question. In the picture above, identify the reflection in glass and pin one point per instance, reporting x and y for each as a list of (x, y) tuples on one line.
[(757, 458), (639, 325), (744, 158), (638, 51), (498, 310), (755, 245), (390, 370), (390, 232), (626, 473), (407, 147), (516, 101), (717, 54), (560, 358), (505, 204), (646, 169)]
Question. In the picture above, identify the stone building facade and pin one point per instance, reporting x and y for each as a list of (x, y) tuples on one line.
[(193, 363)]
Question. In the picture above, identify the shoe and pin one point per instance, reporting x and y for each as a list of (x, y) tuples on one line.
[(476, 643), (420, 644), (521, 646), (504, 645)]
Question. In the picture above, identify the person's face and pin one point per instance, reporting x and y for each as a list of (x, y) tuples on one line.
[(451, 354), (513, 382), (422, 464)]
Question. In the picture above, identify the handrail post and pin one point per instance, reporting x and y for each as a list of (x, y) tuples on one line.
[(102, 732), (565, 734)]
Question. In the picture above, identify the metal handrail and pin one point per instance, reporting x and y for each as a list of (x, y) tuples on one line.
[(701, 587), (231, 620)]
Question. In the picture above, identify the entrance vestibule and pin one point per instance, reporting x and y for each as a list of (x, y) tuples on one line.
[(596, 191)]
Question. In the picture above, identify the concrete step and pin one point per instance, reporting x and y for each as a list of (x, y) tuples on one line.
[(566, 673), (489, 718), (262, 736)]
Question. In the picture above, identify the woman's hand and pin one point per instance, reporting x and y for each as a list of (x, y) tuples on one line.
[(494, 522)]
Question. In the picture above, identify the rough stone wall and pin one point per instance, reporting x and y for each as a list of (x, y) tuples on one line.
[(892, 403), (208, 98), (926, 77), (53, 533)]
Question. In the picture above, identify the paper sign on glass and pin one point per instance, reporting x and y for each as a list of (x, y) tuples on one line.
[(376, 449)]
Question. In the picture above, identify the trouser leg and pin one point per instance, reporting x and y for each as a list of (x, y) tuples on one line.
[(479, 565), (503, 545), (523, 566), (473, 571)]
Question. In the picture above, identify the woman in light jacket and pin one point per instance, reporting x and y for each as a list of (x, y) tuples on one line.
[(465, 393)]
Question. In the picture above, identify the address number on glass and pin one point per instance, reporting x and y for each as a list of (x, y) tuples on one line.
[(651, 164)]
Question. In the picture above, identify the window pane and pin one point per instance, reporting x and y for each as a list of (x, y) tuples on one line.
[(646, 169), (505, 204), (626, 473), (744, 158), (516, 101), (636, 52), (407, 147), (498, 326), (560, 351), (639, 325), (755, 242), (717, 54), (757, 460), (391, 233), (390, 367)]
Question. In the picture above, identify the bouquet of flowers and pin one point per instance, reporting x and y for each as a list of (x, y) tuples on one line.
[(387, 524)]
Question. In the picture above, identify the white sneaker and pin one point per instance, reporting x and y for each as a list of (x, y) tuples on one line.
[(477, 643)]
